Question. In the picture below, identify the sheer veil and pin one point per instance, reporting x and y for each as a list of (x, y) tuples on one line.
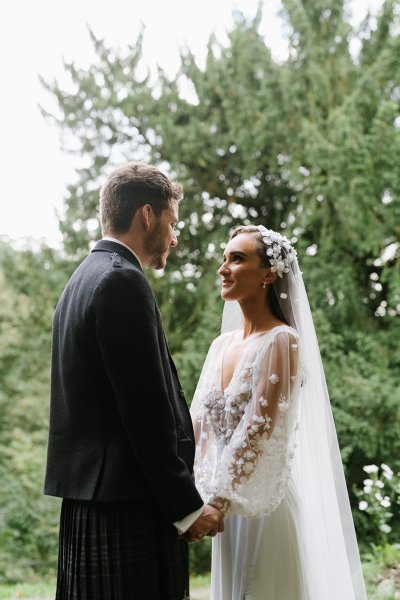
[(326, 525)]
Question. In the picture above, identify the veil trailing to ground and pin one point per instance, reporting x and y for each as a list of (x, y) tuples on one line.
[(325, 523)]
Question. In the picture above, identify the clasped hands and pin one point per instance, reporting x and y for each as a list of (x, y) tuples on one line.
[(210, 522)]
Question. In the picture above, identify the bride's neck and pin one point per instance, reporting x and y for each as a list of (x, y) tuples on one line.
[(257, 316)]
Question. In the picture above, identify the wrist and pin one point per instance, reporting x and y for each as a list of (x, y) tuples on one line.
[(220, 504)]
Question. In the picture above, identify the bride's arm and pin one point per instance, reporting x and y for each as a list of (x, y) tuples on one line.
[(265, 425), (271, 400)]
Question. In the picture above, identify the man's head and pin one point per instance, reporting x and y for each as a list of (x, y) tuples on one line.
[(139, 205)]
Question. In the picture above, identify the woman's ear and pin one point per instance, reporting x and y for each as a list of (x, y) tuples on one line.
[(270, 277)]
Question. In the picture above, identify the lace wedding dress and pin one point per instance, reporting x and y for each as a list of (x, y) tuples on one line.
[(248, 462)]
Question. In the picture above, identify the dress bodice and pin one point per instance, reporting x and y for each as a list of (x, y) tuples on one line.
[(226, 409), (253, 420)]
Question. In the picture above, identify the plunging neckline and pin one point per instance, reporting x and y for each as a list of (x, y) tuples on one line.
[(223, 389), (239, 363)]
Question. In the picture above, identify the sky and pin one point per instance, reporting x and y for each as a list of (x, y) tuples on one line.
[(34, 38)]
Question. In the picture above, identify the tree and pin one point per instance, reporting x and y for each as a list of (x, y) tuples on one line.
[(309, 145), (30, 284)]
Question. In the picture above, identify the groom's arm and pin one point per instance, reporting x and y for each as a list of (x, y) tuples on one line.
[(124, 310), (184, 524), (205, 521)]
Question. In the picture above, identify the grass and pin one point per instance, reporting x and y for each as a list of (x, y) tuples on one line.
[(200, 581), (46, 589), (381, 572), (23, 591), (381, 569)]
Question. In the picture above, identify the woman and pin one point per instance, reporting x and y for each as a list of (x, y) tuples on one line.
[(266, 447)]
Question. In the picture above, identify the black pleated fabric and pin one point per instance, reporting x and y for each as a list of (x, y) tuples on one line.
[(119, 551)]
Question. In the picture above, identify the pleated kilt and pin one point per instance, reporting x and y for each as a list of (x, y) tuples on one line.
[(119, 551)]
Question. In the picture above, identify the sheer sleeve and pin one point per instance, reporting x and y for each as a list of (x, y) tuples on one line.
[(255, 464)]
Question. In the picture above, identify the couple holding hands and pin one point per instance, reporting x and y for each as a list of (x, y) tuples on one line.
[(256, 465)]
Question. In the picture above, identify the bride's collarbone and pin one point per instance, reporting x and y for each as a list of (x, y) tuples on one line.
[(230, 361)]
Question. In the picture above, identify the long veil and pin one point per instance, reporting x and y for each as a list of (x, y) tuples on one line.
[(326, 527)]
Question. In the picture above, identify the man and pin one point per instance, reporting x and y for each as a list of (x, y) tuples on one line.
[(121, 447)]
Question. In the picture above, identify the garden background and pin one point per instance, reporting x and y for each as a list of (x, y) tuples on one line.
[(310, 146)]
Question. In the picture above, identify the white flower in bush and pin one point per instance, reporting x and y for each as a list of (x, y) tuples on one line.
[(387, 471), (363, 505), (370, 469)]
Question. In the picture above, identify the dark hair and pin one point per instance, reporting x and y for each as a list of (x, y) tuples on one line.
[(128, 188), (260, 249)]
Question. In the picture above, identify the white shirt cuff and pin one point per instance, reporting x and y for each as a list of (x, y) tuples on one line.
[(184, 524)]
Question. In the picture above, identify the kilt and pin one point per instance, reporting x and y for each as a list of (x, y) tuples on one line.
[(119, 551)]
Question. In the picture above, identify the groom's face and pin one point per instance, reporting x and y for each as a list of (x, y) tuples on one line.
[(162, 236)]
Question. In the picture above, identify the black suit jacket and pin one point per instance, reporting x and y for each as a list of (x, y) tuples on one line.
[(120, 428)]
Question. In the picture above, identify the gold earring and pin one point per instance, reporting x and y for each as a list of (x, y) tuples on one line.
[(264, 285)]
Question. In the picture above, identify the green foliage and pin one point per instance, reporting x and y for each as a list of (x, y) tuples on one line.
[(200, 556), (309, 145), (382, 572), (379, 503), (30, 285), (27, 591)]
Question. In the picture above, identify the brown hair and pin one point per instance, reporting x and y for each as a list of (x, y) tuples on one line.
[(128, 188), (272, 297)]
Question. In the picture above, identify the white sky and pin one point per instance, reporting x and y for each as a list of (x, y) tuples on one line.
[(36, 34)]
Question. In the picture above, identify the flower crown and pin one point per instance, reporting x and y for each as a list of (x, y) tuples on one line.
[(279, 250)]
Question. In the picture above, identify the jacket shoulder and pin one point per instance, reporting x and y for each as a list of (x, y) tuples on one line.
[(120, 281)]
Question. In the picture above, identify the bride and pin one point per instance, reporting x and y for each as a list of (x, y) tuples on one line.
[(266, 447)]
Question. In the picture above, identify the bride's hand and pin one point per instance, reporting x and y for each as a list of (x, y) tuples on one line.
[(210, 522)]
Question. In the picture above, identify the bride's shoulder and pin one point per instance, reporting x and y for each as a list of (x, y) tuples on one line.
[(282, 332), (277, 340), (284, 328)]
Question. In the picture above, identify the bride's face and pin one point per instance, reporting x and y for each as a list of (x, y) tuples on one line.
[(241, 272)]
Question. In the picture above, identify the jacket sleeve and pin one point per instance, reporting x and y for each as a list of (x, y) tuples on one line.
[(124, 312)]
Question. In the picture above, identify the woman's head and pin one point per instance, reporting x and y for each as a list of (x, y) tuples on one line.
[(255, 260), (259, 244)]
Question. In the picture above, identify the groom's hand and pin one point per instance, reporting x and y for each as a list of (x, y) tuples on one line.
[(210, 522)]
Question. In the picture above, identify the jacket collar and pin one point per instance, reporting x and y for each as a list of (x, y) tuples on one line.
[(114, 247)]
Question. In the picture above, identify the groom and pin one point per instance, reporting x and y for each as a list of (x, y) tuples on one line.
[(121, 447)]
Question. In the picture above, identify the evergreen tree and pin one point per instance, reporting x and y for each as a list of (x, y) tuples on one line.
[(309, 145)]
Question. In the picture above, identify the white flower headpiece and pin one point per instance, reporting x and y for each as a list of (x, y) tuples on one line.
[(279, 250)]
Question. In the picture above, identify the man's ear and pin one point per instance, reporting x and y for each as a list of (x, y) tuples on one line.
[(147, 216), (270, 277)]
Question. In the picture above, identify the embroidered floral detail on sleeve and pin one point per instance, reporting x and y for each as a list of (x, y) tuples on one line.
[(248, 467), (283, 404), (245, 457)]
